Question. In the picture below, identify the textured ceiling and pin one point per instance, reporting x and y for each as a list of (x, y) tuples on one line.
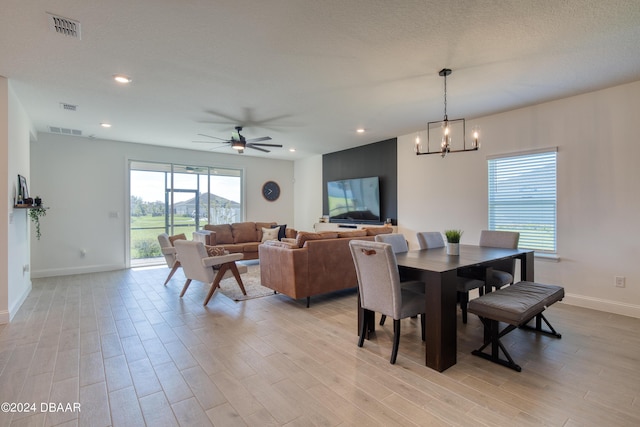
[(306, 73)]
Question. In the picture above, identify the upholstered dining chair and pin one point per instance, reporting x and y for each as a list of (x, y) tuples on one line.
[(169, 252), (198, 265), (396, 240), (398, 244), (380, 289), (502, 270), (434, 239)]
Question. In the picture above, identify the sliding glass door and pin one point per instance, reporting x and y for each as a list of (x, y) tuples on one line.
[(178, 199)]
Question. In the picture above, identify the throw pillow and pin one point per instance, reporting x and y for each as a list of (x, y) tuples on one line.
[(215, 250), (270, 233), (177, 237), (282, 232)]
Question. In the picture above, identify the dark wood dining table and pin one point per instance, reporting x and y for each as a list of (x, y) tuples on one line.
[(438, 271)]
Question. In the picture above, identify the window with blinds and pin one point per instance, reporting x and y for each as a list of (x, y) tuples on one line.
[(522, 197)]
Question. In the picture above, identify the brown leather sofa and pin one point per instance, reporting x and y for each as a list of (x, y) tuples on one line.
[(239, 237), (313, 263)]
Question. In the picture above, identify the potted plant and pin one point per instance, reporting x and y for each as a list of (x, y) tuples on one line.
[(35, 214), (453, 241)]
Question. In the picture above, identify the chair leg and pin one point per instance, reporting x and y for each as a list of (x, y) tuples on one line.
[(363, 328), (175, 267), (423, 324), (464, 300), (396, 340), (382, 319), (236, 274), (216, 282), (184, 289)]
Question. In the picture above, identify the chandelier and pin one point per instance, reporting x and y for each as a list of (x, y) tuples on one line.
[(448, 129)]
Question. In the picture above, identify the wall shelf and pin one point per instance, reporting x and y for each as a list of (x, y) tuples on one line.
[(29, 207)]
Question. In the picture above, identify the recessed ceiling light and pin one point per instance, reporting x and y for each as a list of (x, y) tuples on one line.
[(121, 78), (292, 150), (105, 125), (360, 130)]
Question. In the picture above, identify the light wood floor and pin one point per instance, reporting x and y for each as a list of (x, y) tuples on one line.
[(133, 353)]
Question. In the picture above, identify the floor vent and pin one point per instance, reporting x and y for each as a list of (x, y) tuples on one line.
[(65, 26), (65, 131)]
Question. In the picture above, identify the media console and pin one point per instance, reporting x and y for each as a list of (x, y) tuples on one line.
[(337, 226)]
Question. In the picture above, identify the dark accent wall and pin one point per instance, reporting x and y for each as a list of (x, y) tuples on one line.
[(377, 159)]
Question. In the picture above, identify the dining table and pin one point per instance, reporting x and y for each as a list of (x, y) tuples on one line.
[(438, 271)]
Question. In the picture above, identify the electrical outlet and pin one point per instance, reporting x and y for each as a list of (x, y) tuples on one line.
[(620, 282)]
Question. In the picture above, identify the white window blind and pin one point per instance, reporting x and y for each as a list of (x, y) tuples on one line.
[(522, 197)]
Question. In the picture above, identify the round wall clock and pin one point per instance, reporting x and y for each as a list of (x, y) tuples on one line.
[(271, 191)]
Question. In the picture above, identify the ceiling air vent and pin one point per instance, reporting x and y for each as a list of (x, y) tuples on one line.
[(64, 26), (68, 107), (65, 131)]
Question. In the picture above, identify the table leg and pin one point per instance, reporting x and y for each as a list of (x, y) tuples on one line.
[(441, 322), (526, 267)]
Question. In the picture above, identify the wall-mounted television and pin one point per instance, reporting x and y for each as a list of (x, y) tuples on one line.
[(354, 200)]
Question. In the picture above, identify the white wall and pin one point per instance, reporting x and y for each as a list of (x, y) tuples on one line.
[(15, 128), (308, 184), (598, 176), (83, 180)]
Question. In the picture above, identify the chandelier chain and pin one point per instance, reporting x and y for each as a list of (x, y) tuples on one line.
[(445, 98)]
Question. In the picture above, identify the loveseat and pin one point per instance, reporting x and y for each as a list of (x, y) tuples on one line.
[(239, 237), (312, 263)]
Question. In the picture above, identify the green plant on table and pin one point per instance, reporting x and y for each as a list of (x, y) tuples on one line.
[(35, 214), (453, 236)]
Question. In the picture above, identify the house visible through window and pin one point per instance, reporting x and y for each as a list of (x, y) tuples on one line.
[(522, 197)]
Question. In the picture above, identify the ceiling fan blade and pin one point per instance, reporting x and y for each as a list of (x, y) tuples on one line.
[(269, 145), (214, 137), (257, 148), (211, 142), (263, 138)]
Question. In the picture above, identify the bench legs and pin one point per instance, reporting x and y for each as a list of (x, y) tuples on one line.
[(493, 335)]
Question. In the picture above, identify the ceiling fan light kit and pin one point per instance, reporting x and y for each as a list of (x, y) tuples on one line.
[(239, 142), (448, 128)]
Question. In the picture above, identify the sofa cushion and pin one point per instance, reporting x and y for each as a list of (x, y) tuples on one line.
[(270, 234), (374, 231), (282, 233), (177, 237), (303, 236), (352, 233), (244, 232), (234, 248), (251, 247), (287, 243), (223, 233)]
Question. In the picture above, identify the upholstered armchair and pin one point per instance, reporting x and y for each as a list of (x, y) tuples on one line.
[(169, 252), (198, 265)]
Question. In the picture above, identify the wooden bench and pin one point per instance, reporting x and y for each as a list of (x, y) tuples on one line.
[(515, 305)]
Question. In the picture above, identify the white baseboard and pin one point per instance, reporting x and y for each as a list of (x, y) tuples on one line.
[(52, 272), (18, 303), (603, 305)]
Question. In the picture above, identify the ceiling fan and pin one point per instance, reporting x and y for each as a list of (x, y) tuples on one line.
[(239, 142)]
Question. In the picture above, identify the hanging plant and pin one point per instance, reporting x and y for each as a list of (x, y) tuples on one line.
[(35, 214)]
